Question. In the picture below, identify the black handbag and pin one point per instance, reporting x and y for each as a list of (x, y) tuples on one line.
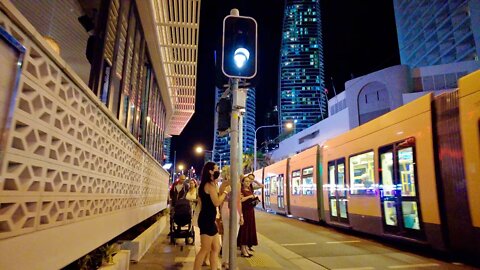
[(255, 201)]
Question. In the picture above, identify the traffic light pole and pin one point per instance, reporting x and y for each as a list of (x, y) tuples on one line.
[(239, 50), (234, 176)]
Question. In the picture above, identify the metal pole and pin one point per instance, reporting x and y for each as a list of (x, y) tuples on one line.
[(240, 143), (220, 161), (255, 152), (174, 161), (233, 177)]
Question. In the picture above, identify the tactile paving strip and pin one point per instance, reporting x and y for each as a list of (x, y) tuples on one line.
[(262, 260)]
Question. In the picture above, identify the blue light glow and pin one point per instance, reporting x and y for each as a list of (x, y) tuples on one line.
[(241, 56)]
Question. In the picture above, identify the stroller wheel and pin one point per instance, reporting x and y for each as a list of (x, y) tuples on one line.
[(172, 239)]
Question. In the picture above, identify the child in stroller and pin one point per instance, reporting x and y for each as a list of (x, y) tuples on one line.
[(181, 224)]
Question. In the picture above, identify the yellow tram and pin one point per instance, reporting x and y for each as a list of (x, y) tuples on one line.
[(412, 174)]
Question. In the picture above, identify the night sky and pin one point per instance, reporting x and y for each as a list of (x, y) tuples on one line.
[(359, 37)]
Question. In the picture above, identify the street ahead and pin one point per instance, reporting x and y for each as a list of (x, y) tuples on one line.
[(332, 249)]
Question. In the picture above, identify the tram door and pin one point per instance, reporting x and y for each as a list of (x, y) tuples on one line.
[(280, 194), (337, 193), (398, 192), (267, 193), (276, 195)]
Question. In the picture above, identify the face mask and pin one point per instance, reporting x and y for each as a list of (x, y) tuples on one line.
[(216, 174)]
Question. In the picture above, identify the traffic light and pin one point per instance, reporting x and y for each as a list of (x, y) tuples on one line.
[(239, 54), (224, 110)]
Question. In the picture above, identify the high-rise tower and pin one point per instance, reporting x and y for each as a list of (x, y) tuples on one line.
[(167, 143), (437, 32), (302, 98)]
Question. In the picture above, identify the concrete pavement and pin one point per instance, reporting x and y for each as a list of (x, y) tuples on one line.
[(286, 243), (268, 255)]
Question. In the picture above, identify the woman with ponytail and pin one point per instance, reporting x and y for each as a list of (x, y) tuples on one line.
[(210, 200)]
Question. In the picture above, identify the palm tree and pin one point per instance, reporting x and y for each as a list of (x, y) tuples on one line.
[(226, 172), (247, 162)]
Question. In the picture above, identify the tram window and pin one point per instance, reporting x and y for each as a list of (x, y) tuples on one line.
[(273, 185), (341, 178), (410, 215), (386, 165), (343, 208), (333, 207), (390, 213), (267, 186), (331, 178), (296, 187), (407, 171), (308, 186), (362, 174), (280, 184)]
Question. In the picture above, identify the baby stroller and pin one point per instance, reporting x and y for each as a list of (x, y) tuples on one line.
[(181, 222)]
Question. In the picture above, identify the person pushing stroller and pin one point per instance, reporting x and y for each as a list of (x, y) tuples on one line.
[(177, 191)]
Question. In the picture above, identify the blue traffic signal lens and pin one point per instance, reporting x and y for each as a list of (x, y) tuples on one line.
[(241, 56)]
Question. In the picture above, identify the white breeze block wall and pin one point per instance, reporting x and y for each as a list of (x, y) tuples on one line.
[(71, 177)]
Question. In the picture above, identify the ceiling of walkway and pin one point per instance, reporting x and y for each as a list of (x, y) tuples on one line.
[(177, 30), (58, 20)]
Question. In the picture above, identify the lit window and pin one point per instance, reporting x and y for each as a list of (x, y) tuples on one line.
[(296, 186), (362, 174)]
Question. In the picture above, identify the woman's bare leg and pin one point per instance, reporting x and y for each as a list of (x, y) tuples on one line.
[(206, 244), (215, 252)]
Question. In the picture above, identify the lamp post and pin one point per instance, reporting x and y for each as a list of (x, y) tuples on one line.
[(200, 150), (173, 167), (180, 167), (287, 125), (220, 155)]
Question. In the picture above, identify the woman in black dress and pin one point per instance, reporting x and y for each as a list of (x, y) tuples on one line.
[(210, 200)]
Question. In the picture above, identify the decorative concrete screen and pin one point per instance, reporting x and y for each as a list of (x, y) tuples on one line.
[(71, 177)]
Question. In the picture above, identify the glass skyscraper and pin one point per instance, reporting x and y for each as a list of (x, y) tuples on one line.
[(221, 146), (302, 98), (437, 32), (167, 143)]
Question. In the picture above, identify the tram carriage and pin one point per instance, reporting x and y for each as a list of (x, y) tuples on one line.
[(259, 192), (274, 177), (412, 174), (380, 176), (303, 199), (469, 100)]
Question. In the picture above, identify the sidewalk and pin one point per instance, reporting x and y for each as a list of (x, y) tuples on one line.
[(267, 255)]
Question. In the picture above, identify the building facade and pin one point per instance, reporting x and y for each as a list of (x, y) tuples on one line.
[(437, 32), (372, 95), (249, 122), (221, 145), (439, 43), (302, 98), (81, 159)]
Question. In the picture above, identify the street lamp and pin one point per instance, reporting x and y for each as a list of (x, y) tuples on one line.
[(181, 167), (200, 150), (288, 126)]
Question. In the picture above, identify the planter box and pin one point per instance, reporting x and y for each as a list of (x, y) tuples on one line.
[(121, 261), (140, 245)]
